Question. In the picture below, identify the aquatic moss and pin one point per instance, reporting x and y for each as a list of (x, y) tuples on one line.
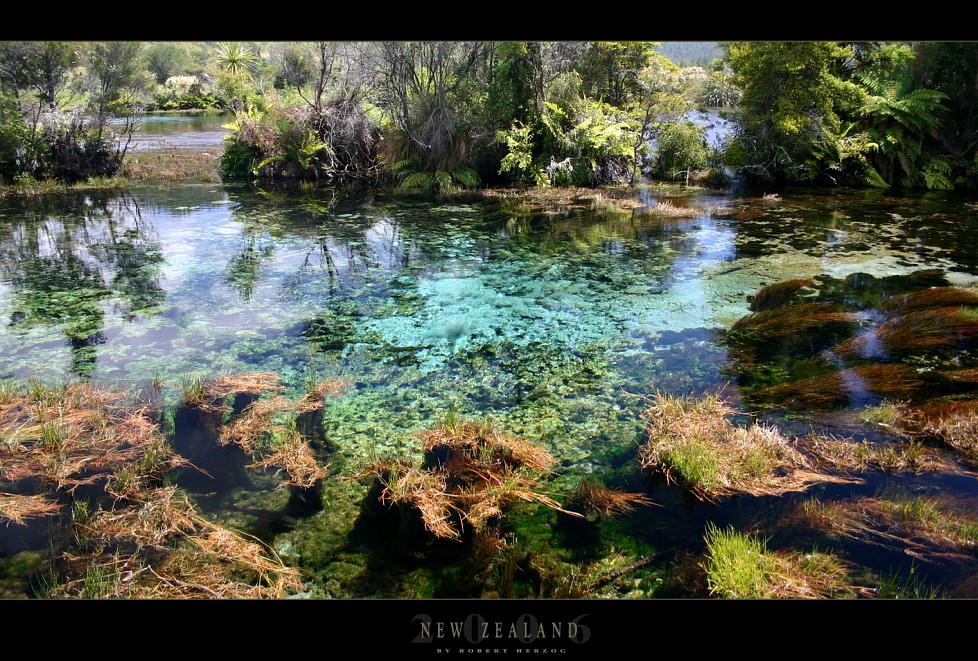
[(933, 297), (848, 385), (779, 294), (918, 331), (809, 323)]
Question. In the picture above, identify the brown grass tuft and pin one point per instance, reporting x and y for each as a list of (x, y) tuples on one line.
[(17, 508), (928, 528), (692, 442), (172, 165), (593, 498), (267, 429), (80, 434), (471, 473), (135, 537)]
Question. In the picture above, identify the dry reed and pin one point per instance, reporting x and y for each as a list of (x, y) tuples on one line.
[(692, 442), (597, 499), (471, 473), (134, 537)]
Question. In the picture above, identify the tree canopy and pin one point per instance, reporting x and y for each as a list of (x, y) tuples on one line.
[(439, 116)]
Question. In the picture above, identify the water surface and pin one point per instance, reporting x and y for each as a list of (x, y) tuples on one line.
[(558, 325)]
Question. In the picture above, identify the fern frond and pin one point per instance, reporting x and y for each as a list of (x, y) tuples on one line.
[(443, 180), (467, 178), (402, 165), (268, 161), (417, 180)]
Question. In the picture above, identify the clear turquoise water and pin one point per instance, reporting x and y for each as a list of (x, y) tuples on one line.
[(555, 324)]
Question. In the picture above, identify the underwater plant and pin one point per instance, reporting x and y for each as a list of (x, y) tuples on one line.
[(779, 294), (932, 528), (801, 324)]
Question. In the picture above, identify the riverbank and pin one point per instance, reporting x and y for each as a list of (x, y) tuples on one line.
[(173, 165)]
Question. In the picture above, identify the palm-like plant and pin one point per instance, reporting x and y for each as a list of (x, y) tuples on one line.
[(898, 120), (234, 58)]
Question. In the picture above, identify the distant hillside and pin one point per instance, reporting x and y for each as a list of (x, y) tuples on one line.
[(691, 53)]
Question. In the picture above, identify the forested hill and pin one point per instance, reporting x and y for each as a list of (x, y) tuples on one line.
[(690, 53)]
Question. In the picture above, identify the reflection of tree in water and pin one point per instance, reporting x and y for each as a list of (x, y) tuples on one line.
[(65, 268), (242, 270), (350, 252)]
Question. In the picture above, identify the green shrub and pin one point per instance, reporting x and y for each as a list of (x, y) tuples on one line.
[(682, 149), (14, 134)]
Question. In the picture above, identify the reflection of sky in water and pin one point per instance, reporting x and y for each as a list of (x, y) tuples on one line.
[(239, 279)]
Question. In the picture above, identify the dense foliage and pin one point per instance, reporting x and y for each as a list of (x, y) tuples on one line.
[(856, 113), (442, 116)]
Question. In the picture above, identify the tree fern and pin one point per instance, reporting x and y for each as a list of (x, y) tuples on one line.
[(937, 174), (898, 121)]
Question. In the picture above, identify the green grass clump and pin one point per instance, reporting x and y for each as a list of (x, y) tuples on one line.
[(693, 442), (192, 388), (737, 566)]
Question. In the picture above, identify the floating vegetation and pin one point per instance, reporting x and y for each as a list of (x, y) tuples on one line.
[(17, 508), (34, 188), (953, 423), (934, 529), (251, 383), (266, 428), (78, 435), (596, 500), (157, 546), (906, 342), (471, 473), (665, 208), (890, 457)]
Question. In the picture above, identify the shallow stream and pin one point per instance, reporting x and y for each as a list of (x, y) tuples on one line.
[(557, 323)]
